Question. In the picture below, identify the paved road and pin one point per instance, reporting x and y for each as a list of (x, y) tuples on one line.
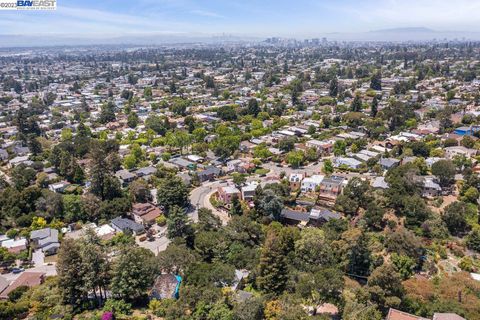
[(200, 198)]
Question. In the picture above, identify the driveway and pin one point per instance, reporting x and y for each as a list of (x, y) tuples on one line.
[(159, 243), (38, 258)]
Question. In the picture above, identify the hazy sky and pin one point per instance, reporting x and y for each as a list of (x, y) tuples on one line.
[(242, 17)]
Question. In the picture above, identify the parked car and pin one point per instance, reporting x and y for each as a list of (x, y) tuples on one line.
[(17, 270)]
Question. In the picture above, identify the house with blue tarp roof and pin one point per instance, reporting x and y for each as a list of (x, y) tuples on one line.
[(466, 131), (166, 286)]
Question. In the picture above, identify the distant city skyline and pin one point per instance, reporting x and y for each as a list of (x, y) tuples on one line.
[(301, 18)]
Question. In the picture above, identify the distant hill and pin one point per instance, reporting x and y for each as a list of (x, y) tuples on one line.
[(412, 29)]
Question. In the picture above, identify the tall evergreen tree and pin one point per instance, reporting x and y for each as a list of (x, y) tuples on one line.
[(376, 81), (333, 87), (236, 206), (374, 107), (177, 223), (356, 105), (273, 270), (360, 257)]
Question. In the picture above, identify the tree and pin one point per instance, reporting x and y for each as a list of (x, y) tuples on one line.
[(272, 270), (147, 93), (23, 176), (376, 81), (295, 158), (374, 107), (238, 179), (355, 310), (287, 144), (312, 251), (455, 217), (102, 181), (172, 192), (176, 258), (133, 273), (404, 242), (95, 266), (132, 120), (227, 113), (445, 171), (333, 88), (326, 285), (207, 221), (177, 223), (236, 206), (471, 195), (328, 166), (360, 257), (339, 147), (356, 105), (404, 265), (73, 210), (68, 268), (157, 124), (473, 240), (385, 287), (270, 204), (253, 108), (107, 112), (138, 191), (209, 83), (250, 309), (374, 216)]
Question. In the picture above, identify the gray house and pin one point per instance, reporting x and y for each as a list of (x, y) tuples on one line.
[(45, 239), (126, 225)]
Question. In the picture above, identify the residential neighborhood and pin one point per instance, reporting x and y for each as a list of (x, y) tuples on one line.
[(280, 179)]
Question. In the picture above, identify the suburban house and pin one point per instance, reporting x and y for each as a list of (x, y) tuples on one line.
[(430, 187), (145, 172), (346, 162), (451, 152), (59, 187), (208, 174), (240, 166), (323, 147), (3, 154), (309, 184), (125, 177), (15, 245), (19, 160), (225, 194), (388, 163), (28, 279), (466, 131), (295, 180), (315, 217), (126, 226), (166, 286), (145, 213), (394, 314), (331, 187), (45, 239), (248, 190)]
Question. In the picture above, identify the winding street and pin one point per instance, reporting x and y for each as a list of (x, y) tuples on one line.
[(200, 198)]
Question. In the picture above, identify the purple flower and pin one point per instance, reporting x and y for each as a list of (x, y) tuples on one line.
[(107, 315)]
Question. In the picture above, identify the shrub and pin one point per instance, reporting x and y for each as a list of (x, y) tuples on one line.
[(118, 306), (161, 220)]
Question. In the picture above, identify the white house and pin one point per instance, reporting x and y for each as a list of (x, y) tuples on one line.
[(348, 162), (309, 184)]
